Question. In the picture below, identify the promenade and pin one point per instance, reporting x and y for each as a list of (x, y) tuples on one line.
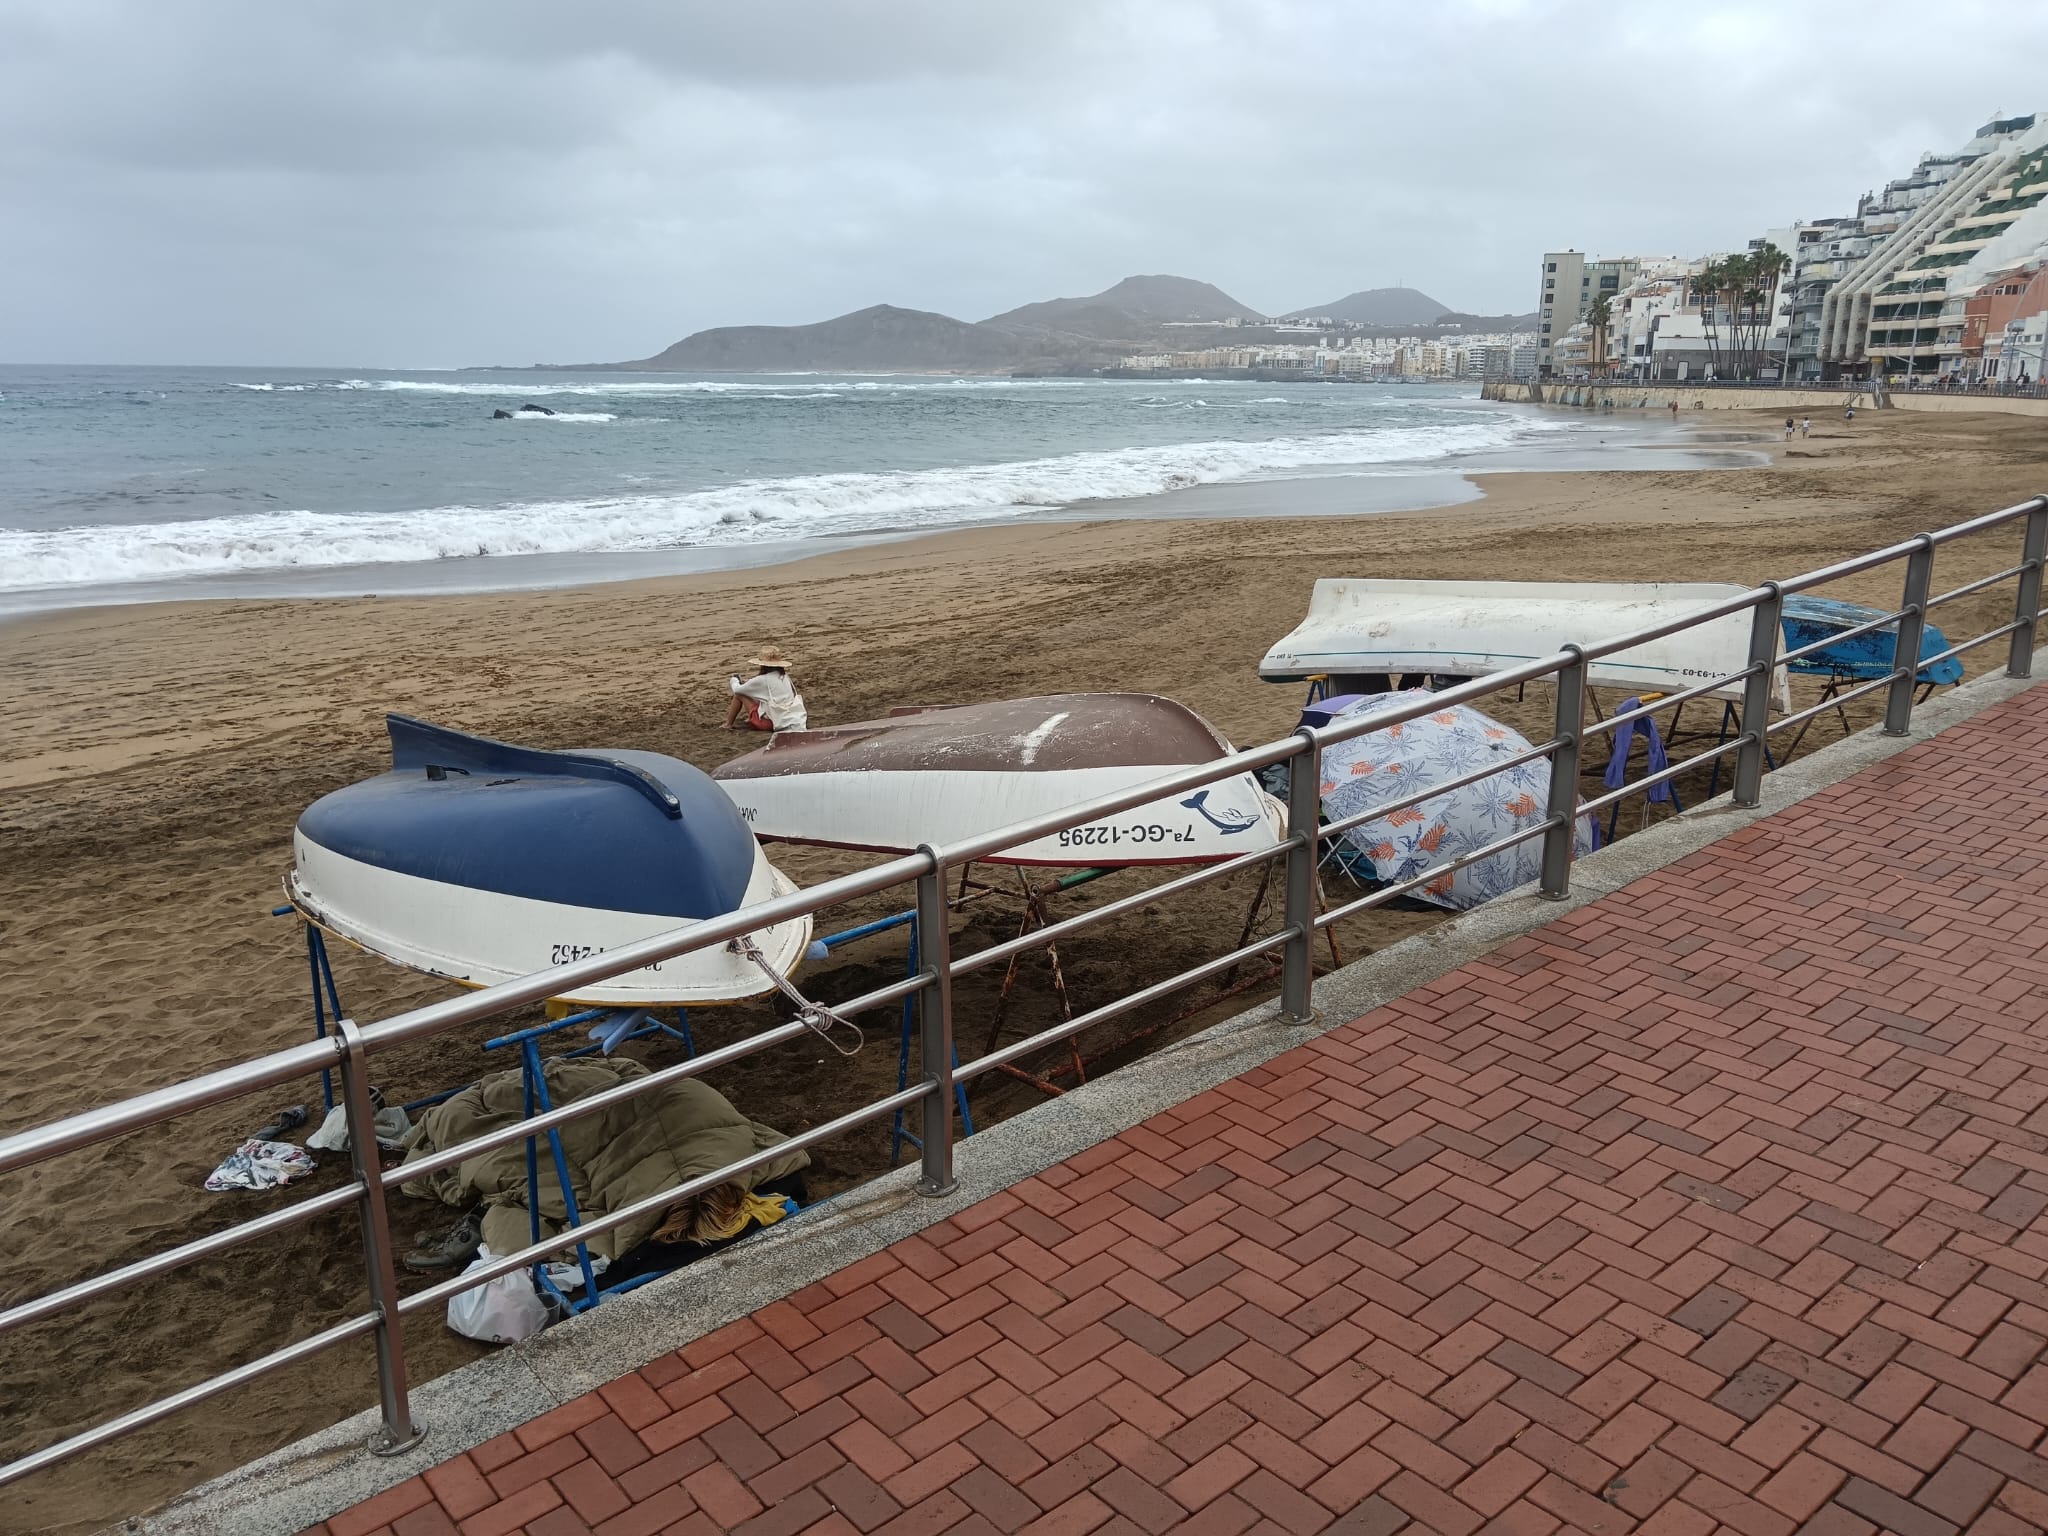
[(1714, 1206)]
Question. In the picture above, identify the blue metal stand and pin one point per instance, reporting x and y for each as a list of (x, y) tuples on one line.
[(899, 1132), (641, 1024), (322, 977)]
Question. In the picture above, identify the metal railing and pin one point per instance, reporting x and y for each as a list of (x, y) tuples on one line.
[(348, 1049)]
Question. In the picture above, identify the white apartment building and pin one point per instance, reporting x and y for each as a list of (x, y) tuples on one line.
[(1935, 238)]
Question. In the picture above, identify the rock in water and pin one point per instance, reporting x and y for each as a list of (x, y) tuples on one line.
[(537, 410), (501, 415)]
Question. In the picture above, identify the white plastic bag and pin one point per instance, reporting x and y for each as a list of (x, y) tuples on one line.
[(500, 1311)]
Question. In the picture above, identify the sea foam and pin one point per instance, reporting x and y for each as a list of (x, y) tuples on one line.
[(746, 512)]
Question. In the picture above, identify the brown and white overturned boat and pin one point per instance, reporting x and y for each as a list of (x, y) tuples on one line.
[(943, 774)]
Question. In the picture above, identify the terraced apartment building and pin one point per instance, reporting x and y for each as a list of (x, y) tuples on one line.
[(1932, 241)]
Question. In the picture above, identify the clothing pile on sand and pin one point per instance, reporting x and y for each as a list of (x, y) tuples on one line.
[(616, 1157)]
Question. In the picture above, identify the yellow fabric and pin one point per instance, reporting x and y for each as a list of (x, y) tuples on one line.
[(754, 1208)]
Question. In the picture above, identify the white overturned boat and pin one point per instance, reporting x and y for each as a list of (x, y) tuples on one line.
[(941, 775), (1361, 627), (479, 861)]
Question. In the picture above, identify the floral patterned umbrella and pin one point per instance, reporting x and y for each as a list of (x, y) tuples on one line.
[(1387, 764)]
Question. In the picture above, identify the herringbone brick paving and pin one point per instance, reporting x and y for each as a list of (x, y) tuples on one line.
[(1715, 1206)]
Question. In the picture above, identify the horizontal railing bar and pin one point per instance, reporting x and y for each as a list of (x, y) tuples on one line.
[(971, 850), (1850, 567), (1836, 702), (1650, 780), (1671, 700), (562, 1114), (1387, 893), (1053, 932), (173, 1258), (1344, 824), (1970, 645), (1346, 728), (1070, 1027), (1836, 639), (562, 979), (1989, 520), (146, 1109), (888, 993), (1691, 618), (1977, 586), (653, 1205), (164, 1407)]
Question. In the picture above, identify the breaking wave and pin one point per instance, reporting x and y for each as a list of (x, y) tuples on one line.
[(746, 512)]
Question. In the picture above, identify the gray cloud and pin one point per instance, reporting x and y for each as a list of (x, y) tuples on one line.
[(444, 183)]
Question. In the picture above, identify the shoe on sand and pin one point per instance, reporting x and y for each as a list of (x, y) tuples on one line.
[(452, 1249)]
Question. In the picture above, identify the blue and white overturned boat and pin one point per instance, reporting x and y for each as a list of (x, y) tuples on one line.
[(480, 861), (1809, 620)]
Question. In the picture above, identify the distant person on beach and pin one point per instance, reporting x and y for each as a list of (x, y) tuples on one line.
[(1674, 410), (1788, 429), (767, 701), (1805, 425), (1848, 413)]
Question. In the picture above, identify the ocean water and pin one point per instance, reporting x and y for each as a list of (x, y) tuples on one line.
[(167, 481)]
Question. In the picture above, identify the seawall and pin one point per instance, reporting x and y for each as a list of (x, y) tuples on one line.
[(1658, 397)]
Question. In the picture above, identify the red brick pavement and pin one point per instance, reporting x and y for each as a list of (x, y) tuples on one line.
[(1716, 1206)]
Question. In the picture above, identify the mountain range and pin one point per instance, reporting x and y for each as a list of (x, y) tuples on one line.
[(1052, 336)]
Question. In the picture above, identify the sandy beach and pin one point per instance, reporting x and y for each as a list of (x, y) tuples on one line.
[(157, 756)]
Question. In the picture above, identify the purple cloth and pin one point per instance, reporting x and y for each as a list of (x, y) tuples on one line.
[(1624, 738)]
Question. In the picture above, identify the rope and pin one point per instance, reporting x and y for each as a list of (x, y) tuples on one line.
[(816, 1016)]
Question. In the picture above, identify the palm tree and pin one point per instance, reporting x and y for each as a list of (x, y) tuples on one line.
[(1707, 286), (1599, 317), (1767, 265)]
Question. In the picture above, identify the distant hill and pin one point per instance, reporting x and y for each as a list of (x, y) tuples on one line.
[(1130, 310), (1055, 335), (1463, 322), (882, 338), (1381, 306)]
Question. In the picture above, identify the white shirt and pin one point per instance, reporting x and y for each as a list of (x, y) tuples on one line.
[(778, 699)]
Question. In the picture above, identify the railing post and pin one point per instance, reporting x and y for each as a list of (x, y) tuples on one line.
[(2027, 607), (1766, 629), (935, 1027), (399, 1433), (1898, 709), (1564, 776), (1304, 831)]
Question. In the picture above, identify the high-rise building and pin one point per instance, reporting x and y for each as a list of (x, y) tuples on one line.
[(1570, 283)]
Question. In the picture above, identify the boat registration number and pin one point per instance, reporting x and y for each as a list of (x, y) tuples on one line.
[(568, 954), (1111, 836)]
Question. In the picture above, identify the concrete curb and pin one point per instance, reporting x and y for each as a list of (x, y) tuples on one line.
[(325, 1473)]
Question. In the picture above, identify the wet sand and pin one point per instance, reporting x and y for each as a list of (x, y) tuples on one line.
[(156, 757)]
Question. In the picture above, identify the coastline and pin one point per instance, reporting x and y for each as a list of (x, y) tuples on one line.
[(159, 754), (1607, 445)]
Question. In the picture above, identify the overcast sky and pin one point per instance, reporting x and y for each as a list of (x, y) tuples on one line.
[(432, 184)]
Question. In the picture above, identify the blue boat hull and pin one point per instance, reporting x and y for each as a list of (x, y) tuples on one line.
[(481, 862), (1813, 620)]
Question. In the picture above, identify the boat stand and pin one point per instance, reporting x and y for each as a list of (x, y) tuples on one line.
[(1836, 682), (1037, 914)]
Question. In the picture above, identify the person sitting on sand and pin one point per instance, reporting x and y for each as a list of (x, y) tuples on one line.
[(767, 701)]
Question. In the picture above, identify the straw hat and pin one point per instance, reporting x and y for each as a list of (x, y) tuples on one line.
[(770, 656)]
